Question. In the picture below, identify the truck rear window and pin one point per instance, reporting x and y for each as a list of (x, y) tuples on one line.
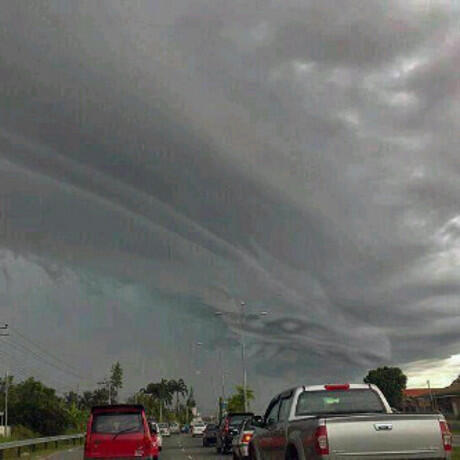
[(236, 420), (338, 402), (115, 422)]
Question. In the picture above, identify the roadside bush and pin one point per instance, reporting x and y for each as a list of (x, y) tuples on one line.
[(22, 432), (38, 408), (19, 432)]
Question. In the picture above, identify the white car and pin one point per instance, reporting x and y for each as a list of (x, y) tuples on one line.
[(174, 428), (240, 444), (156, 429), (198, 429), (164, 430)]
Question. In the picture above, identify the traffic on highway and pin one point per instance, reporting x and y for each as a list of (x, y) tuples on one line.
[(318, 422)]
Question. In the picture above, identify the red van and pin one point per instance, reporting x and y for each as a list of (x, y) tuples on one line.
[(119, 431)]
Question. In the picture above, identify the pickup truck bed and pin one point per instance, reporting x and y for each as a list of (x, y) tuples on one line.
[(384, 436)]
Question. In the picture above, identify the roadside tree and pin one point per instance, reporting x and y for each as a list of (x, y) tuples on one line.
[(391, 382), (236, 401)]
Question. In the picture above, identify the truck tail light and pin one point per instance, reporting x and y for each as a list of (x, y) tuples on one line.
[(246, 438), (345, 386), (321, 441), (446, 436)]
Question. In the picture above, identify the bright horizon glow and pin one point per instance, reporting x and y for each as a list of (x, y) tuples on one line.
[(440, 373)]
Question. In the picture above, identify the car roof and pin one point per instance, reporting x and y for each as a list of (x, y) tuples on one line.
[(117, 408)]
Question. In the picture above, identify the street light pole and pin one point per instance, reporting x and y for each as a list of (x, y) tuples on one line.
[(223, 374), (5, 334), (243, 348), (6, 404), (243, 358), (221, 359)]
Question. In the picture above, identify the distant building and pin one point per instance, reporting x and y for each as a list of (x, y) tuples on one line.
[(417, 400), (445, 400)]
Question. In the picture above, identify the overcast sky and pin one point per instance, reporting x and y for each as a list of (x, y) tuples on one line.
[(161, 161)]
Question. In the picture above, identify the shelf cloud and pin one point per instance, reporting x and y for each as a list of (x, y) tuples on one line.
[(163, 161)]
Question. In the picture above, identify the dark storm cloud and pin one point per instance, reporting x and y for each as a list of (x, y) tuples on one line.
[(162, 160)]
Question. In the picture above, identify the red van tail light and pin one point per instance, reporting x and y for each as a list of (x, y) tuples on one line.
[(321, 441), (446, 436), (344, 386), (246, 438), (226, 426)]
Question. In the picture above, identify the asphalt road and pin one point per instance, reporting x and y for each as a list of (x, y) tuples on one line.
[(75, 453), (184, 447), (177, 447)]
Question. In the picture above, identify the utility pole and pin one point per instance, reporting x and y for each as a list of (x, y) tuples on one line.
[(7, 384), (5, 334), (109, 386), (431, 395)]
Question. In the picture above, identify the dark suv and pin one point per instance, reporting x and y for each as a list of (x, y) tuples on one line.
[(229, 427)]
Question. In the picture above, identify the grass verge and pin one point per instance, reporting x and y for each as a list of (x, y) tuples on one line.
[(40, 453)]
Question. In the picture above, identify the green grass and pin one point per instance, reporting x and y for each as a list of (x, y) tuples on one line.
[(19, 433), (40, 451), (42, 454), (456, 453)]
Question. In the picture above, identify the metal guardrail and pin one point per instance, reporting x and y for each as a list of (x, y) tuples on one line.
[(33, 443)]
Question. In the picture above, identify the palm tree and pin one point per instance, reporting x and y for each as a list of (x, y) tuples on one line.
[(179, 388), (190, 403), (236, 401), (160, 391)]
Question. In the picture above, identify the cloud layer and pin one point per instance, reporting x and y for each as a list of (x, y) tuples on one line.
[(161, 161)]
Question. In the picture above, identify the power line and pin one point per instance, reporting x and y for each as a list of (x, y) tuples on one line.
[(30, 353), (43, 349), (42, 359), (31, 370), (26, 371)]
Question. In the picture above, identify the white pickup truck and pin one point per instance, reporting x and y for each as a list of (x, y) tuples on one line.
[(346, 422)]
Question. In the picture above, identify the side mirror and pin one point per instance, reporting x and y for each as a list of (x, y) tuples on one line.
[(258, 421)]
